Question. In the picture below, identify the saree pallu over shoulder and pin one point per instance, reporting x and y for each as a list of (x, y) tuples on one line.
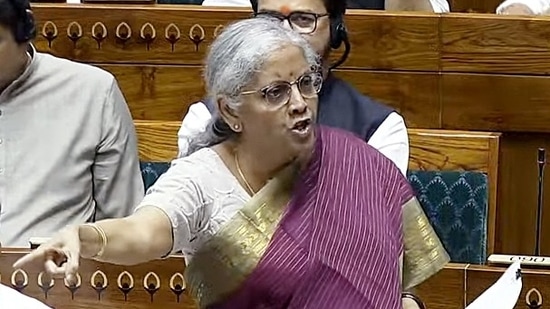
[(424, 254), (229, 257)]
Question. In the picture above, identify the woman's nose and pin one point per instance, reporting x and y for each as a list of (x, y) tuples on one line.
[(297, 104), (287, 24)]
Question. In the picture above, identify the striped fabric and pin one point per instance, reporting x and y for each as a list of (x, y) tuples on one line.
[(338, 245)]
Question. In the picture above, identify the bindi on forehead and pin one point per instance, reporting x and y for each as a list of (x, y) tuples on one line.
[(285, 9), (283, 75)]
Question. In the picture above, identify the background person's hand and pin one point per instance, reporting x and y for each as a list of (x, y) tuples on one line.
[(59, 257)]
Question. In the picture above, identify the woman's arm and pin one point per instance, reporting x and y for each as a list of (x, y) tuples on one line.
[(164, 222), (141, 237)]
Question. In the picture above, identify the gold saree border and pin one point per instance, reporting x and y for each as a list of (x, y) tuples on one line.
[(424, 253), (224, 262)]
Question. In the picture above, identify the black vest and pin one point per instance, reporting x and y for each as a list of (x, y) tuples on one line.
[(341, 106)]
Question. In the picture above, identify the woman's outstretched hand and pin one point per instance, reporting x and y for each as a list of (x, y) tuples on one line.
[(59, 257)]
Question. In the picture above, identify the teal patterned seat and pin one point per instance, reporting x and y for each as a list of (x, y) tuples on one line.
[(151, 171), (456, 203)]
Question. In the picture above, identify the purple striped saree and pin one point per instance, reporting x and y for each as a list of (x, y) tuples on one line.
[(331, 237)]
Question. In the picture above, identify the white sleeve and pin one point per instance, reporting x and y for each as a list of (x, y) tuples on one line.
[(178, 193), (392, 140), (538, 7), (194, 122), (440, 6)]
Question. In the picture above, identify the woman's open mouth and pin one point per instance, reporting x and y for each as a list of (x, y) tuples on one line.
[(302, 127)]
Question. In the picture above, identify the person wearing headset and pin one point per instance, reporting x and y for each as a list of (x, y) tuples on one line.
[(437, 6), (321, 22), (68, 150)]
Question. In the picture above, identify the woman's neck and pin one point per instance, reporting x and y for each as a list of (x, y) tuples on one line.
[(255, 169), (251, 166)]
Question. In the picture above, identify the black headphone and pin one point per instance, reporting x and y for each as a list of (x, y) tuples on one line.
[(338, 32), (339, 35), (25, 29)]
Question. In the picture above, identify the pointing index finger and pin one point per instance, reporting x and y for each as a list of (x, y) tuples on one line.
[(34, 256)]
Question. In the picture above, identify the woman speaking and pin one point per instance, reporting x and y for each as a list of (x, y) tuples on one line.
[(269, 209)]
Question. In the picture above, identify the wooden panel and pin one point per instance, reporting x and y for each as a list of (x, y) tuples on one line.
[(452, 150), (159, 92), (112, 297), (445, 290), (491, 43), (495, 102), (381, 41), (393, 41), (135, 49), (414, 95), (157, 140), (517, 195)]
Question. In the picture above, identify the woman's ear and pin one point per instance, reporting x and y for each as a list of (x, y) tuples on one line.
[(229, 115)]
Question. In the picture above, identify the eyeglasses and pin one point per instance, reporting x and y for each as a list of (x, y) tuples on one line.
[(301, 22), (278, 94)]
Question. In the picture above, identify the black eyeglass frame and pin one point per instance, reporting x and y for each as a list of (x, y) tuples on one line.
[(282, 17)]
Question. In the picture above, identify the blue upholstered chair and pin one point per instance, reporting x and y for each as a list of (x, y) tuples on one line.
[(453, 174), (151, 171), (457, 204)]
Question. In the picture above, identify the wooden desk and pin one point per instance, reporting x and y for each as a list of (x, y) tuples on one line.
[(157, 284)]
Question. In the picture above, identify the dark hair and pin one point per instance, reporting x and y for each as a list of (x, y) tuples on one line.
[(9, 16), (335, 8), (16, 15)]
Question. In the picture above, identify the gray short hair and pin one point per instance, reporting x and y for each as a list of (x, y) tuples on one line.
[(235, 57)]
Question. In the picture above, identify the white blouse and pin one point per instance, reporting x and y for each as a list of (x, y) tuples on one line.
[(199, 194)]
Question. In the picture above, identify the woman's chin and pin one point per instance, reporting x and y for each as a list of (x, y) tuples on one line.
[(303, 148)]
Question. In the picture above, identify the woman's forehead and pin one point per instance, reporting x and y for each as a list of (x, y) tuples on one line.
[(287, 63)]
